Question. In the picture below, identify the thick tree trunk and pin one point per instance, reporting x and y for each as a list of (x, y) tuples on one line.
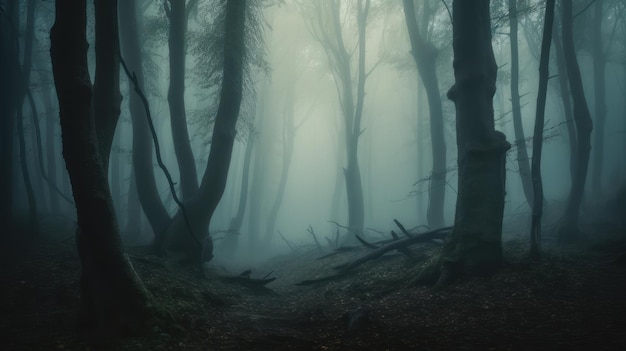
[(566, 101), (474, 247), (113, 301), (201, 207), (177, 13), (425, 56), (599, 89), (106, 90), (520, 138), (569, 227), (142, 140), (544, 63)]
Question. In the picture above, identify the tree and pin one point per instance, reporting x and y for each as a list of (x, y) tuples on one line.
[(544, 61), (178, 13), (325, 24), (113, 300), (569, 225), (599, 90), (520, 138), (8, 96), (425, 55), (143, 168), (106, 90), (474, 246), (200, 208)]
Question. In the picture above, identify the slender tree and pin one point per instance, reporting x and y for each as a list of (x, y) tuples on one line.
[(544, 62), (143, 168), (474, 246), (325, 24), (425, 54), (113, 301), (599, 91), (569, 226), (178, 12), (520, 138)]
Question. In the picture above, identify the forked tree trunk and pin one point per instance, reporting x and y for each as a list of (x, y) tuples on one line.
[(201, 207), (474, 247), (569, 226), (113, 300)]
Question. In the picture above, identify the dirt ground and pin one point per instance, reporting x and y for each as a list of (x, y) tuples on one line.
[(573, 299)]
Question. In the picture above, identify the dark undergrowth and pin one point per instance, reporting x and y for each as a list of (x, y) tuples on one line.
[(573, 299)]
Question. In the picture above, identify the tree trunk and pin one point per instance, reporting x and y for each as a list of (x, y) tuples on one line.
[(50, 116), (289, 132), (177, 14), (474, 247), (113, 300), (566, 101), (231, 240), (201, 207), (599, 89), (134, 218), (142, 140), (106, 90), (544, 63), (425, 56), (520, 138), (24, 82), (569, 226)]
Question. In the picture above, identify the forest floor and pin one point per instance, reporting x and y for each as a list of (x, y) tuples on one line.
[(573, 299)]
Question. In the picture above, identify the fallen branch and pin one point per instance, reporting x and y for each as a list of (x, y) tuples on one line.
[(395, 245), (317, 243)]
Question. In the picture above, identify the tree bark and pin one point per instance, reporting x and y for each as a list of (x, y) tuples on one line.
[(106, 90), (520, 138), (544, 63), (113, 301), (142, 140), (569, 227), (599, 89), (425, 55), (474, 247), (177, 14)]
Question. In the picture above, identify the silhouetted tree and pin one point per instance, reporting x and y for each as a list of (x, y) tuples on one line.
[(544, 62), (178, 13), (425, 55), (474, 246), (599, 91), (113, 300), (569, 226)]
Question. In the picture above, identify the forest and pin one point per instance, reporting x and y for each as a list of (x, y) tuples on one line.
[(312, 174)]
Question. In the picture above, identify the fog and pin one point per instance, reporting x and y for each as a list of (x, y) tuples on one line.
[(291, 88)]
